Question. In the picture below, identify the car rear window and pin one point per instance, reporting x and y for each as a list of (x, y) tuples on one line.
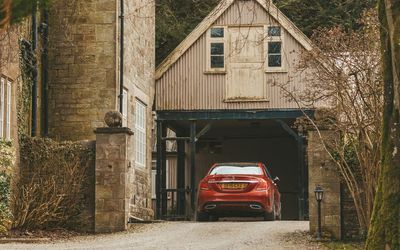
[(226, 169)]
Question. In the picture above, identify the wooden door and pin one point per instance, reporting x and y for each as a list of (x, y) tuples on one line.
[(245, 68)]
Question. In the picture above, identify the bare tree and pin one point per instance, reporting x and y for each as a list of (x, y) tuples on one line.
[(343, 74)]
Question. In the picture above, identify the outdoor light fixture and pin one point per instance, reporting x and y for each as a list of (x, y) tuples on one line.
[(319, 195)]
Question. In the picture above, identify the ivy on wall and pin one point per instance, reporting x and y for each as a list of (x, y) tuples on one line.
[(25, 88), (7, 160)]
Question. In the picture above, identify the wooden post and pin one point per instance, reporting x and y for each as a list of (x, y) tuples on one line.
[(302, 178), (192, 164), (164, 194), (158, 174), (180, 177)]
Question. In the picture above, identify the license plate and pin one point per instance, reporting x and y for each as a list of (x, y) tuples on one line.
[(233, 185)]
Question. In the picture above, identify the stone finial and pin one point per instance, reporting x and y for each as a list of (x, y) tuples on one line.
[(113, 119)]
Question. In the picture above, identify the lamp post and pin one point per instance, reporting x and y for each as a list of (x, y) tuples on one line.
[(319, 195)]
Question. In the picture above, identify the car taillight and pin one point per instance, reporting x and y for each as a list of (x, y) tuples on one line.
[(204, 186), (262, 186)]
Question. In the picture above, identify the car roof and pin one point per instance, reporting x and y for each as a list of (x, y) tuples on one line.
[(237, 163)]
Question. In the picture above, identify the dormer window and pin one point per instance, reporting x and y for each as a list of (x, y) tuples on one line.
[(216, 49), (274, 48)]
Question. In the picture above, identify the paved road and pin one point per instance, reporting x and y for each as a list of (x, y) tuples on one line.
[(189, 235)]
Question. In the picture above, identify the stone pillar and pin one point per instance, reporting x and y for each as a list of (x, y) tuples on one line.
[(112, 176), (323, 171)]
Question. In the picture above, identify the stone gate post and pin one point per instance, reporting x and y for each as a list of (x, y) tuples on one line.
[(112, 176), (323, 171)]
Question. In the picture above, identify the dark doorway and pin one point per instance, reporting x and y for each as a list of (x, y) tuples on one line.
[(271, 141)]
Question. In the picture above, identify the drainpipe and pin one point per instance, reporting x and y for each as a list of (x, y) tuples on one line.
[(44, 28), (35, 71), (121, 70)]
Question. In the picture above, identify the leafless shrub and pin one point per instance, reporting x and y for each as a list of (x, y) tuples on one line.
[(49, 192)]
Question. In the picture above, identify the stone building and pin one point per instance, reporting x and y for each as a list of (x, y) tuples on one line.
[(10, 79), (84, 81), (78, 47)]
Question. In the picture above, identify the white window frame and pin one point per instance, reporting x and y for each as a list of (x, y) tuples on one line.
[(2, 106), (280, 39), (125, 108), (140, 135), (154, 180), (8, 116), (211, 40)]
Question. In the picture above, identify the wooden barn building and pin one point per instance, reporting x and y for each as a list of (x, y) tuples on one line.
[(221, 92)]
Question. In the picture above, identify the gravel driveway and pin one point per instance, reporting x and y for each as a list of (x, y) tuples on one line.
[(189, 235)]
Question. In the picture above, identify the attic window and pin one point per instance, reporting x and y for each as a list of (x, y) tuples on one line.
[(216, 49), (217, 32), (274, 54), (217, 55), (274, 31), (274, 48)]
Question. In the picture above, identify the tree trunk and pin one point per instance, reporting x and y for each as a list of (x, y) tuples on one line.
[(384, 231)]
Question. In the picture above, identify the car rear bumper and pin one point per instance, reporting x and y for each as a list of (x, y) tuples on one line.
[(252, 203)]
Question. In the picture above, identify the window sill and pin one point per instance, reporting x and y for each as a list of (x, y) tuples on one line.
[(216, 72), (276, 71), (245, 100), (139, 166)]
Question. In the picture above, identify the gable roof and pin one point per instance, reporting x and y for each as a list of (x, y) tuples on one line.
[(213, 16)]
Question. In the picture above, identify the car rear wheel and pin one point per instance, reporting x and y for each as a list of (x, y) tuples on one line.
[(202, 216), (270, 216), (214, 218), (278, 216)]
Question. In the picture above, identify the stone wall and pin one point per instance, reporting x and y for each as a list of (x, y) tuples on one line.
[(60, 179), (139, 66), (10, 67), (112, 178), (350, 224), (118, 189), (323, 172), (84, 78), (82, 66)]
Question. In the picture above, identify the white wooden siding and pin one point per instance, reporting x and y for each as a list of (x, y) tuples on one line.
[(245, 74), (185, 86)]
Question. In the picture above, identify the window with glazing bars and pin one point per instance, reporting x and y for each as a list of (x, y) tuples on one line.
[(217, 48), (140, 135), (274, 47)]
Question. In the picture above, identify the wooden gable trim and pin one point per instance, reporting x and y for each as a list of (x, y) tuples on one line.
[(213, 16), (193, 37)]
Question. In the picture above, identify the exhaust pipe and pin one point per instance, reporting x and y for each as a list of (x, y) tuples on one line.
[(211, 206), (255, 206)]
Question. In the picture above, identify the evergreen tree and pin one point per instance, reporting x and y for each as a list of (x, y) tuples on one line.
[(23, 8), (312, 14), (175, 19)]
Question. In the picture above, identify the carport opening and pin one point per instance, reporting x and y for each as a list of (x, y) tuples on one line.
[(273, 142), (255, 141)]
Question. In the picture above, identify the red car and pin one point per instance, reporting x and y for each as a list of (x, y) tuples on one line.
[(238, 190)]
